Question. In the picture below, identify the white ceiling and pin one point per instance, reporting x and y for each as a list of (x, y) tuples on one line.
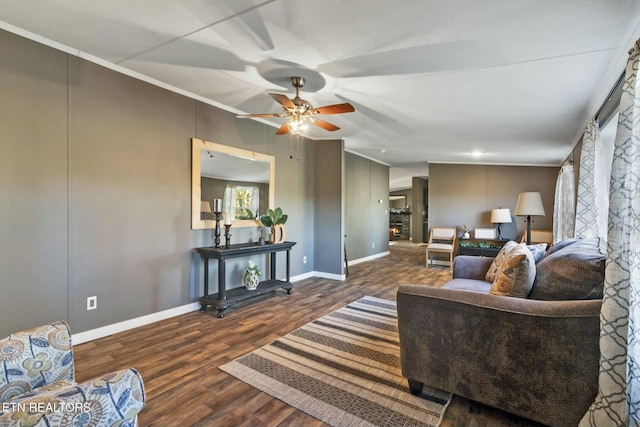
[(431, 81)]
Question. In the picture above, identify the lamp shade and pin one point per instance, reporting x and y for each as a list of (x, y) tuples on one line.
[(529, 204), (205, 207), (500, 216)]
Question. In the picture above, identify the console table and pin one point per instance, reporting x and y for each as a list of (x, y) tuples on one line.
[(225, 298), (480, 247)]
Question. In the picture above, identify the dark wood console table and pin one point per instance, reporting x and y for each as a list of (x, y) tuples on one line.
[(480, 247), (225, 298)]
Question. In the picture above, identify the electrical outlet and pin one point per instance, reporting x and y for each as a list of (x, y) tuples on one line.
[(304, 259), (373, 245), (92, 303)]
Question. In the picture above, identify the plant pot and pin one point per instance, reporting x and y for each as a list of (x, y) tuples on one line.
[(251, 280)]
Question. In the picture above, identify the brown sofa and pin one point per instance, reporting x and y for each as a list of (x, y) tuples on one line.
[(536, 358)]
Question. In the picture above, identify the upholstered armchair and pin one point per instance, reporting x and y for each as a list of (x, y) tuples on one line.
[(37, 386)]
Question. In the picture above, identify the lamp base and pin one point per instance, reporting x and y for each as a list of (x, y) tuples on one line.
[(528, 221)]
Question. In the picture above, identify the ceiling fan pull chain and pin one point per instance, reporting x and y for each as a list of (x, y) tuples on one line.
[(291, 146)]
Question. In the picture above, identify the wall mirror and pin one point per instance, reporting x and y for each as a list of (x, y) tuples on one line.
[(242, 179), (398, 202)]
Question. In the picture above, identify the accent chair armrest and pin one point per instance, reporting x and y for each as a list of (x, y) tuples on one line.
[(471, 267), (114, 399), (537, 359), (35, 358)]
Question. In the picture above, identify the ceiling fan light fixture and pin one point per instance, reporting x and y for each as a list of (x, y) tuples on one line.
[(301, 113), (298, 124)]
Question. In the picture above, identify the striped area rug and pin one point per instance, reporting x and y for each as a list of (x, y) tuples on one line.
[(344, 369)]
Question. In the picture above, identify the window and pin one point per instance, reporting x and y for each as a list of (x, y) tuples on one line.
[(241, 202)]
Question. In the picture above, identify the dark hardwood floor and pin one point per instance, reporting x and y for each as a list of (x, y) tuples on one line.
[(178, 358)]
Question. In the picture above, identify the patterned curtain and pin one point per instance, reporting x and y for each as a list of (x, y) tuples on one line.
[(255, 201), (593, 187), (618, 400), (564, 207)]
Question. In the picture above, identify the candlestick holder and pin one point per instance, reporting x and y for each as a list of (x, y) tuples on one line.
[(217, 230), (227, 236)]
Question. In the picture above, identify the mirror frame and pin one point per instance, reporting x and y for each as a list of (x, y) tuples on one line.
[(197, 145)]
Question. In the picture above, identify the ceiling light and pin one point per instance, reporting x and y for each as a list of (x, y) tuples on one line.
[(298, 124)]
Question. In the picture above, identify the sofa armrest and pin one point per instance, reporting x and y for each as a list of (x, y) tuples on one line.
[(471, 267), (112, 399), (537, 359)]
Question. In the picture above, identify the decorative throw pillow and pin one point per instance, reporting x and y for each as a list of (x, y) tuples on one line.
[(575, 272), (495, 265), (516, 273), (537, 251)]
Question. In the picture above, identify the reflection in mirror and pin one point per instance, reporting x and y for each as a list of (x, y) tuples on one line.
[(398, 202), (239, 183)]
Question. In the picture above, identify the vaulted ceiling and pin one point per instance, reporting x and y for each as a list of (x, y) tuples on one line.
[(456, 81)]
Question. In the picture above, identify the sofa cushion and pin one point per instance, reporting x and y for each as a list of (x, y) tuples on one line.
[(497, 261), (561, 245), (573, 272), (516, 273), (472, 285)]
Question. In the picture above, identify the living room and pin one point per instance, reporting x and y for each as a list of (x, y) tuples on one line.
[(97, 182)]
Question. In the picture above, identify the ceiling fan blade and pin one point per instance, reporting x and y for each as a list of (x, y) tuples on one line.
[(259, 115), (284, 129), (335, 109), (325, 125), (283, 100)]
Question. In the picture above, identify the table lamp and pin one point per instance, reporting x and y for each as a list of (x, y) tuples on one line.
[(529, 204), (500, 216), (205, 208)]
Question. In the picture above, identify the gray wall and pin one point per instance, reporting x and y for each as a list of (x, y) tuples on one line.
[(328, 169), (34, 239), (366, 207), (129, 191), (465, 194), (418, 211), (95, 185)]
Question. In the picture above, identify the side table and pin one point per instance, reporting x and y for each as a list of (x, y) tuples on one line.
[(480, 247), (224, 298)]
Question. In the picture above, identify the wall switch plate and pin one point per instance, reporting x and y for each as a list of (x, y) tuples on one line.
[(304, 259), (92, 303)]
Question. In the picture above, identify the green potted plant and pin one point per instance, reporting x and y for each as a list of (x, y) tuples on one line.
[(252, 275), (275, 219)]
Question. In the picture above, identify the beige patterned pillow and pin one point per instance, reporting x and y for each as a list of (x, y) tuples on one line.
[(495, 265), (516, 273)]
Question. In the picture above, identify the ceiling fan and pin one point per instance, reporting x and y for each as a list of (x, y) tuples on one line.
[(301, 113)]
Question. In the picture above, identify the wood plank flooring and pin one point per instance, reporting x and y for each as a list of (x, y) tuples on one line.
[(178, 358)]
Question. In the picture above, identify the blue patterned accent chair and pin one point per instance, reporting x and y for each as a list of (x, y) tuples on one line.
[(37, 386)]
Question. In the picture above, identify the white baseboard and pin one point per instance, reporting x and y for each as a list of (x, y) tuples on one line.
[(369, 258), (104, 331), (114, 328), (331, 276)]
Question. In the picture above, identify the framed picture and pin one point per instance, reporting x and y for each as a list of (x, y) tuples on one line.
[(485, 233)]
